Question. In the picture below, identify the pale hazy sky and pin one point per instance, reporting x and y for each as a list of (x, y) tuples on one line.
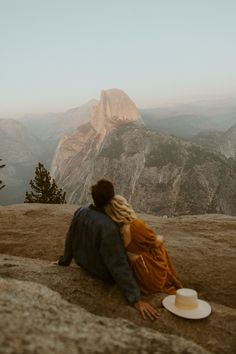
[(57, 54)]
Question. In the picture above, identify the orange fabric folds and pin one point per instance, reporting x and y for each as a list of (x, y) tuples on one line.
[(151, 266)]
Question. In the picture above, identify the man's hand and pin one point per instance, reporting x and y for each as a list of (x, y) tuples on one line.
[(54, 263), (146, 310)]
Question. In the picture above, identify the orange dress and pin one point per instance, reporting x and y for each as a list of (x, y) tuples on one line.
[(149, 260)]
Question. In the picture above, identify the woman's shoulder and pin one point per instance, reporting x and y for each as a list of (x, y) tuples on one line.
[(138, 223)]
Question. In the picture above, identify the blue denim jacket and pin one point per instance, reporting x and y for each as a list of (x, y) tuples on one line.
[(93, 241)]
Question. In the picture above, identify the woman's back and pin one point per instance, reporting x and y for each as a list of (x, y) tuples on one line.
[(143, 238), (149, 259)]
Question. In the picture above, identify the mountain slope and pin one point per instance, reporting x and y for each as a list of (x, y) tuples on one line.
[(20, 152), (50, 127), (75, 155), (165, 175), (56, 124), (227, 144), (223, 143), (158, 173)]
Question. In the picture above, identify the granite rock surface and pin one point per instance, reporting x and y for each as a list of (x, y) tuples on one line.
[(202, 249)]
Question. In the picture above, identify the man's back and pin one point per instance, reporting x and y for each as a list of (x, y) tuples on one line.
[(89, 226), (94, 242)]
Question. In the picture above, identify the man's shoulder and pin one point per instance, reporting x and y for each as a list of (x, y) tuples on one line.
[(101, 217), (96, 216)]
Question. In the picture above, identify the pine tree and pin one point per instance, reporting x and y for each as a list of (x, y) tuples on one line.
[(1, 186), (44, 188)]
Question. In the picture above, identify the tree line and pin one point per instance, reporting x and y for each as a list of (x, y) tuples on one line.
[(43, 188), (1, 183)]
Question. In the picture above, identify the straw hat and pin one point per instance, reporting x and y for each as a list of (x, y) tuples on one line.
[(186, 304)]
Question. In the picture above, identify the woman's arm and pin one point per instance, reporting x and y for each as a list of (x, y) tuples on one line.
[(125, 234), (132, 256)]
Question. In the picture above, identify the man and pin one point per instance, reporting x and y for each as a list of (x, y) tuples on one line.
[(94, 242)]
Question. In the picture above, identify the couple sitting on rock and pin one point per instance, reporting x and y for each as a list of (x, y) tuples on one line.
[(111, 243)]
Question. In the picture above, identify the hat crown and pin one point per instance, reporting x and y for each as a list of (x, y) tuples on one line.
[(186, 304), (186, 299)]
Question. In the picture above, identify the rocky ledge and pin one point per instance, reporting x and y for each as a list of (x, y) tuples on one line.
[(57, 308), (45, 323)]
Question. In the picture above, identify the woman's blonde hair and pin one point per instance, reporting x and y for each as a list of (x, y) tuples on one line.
[(120, 210)]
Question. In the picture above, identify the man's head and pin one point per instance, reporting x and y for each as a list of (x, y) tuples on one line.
[(102, 192)]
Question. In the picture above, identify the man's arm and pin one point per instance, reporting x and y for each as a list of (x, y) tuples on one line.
[(114, 257), (66, 259)]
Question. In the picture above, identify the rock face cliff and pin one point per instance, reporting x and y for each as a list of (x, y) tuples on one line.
[(114, 108), (76, 154), (158, 173), (164, 175)]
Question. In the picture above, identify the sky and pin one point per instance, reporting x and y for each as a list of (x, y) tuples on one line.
[(58, 54)]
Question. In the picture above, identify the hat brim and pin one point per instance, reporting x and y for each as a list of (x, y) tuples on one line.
[(203, 310)]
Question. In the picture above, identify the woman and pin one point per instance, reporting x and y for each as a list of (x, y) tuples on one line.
[(147, 255)]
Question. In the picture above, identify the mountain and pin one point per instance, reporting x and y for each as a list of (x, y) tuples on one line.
[(114, 109), (20, 152), (208, 139), (182, 120), (54, 124), (189, 119), (50, 127), (223, 143), (227, 143), (76, 138), (157, 173), (165, 175)]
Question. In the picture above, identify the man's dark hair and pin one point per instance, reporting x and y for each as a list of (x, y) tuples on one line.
[(102, 192)]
